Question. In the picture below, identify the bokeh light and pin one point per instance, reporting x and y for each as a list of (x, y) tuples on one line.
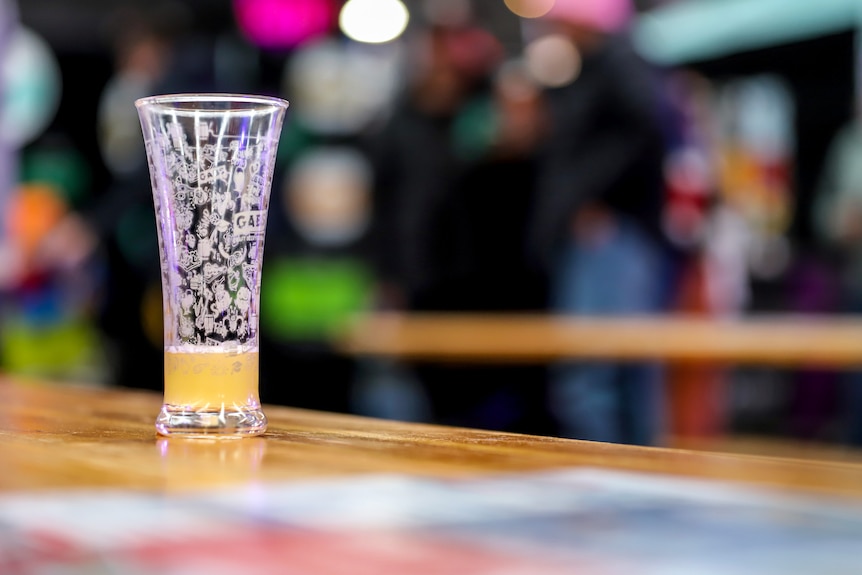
[(30, 77), (373, 21), (32, 213), (283, 23), (339, 87), (328, 196), (530, 8), (553, 60)]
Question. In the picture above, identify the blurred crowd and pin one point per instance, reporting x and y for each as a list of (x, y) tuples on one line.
[(446, 170)]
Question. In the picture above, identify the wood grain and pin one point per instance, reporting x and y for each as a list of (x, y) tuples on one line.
[(784, 341), (56, 436)]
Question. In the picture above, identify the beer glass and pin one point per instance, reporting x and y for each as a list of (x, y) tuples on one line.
[(211, 159)]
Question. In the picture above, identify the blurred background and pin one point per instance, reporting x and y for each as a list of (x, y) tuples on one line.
[(493, 156)]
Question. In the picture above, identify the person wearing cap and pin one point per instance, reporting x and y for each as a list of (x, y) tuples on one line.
[(595, 225)]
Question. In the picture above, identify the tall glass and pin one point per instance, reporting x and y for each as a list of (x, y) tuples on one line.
[(211, 160)]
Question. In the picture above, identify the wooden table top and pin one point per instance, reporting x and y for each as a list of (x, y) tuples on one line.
[(777, 340), (66, 437)]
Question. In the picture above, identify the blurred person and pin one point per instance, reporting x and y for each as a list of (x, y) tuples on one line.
[(497, 137), (120, 222), (419, 223), (596, 221), (710, 268), (497, 189), (141, 57), (425, 160), (838, 225)]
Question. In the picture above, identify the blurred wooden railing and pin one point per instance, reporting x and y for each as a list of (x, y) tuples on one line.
[(768, 340)]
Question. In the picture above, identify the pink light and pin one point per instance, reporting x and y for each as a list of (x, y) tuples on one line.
[(604, 15), (284, 23)]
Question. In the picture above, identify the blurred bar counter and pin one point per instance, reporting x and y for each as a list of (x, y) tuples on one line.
[(779, 340)]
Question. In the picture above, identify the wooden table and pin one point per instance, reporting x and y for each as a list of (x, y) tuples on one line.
[(777, 340), (65, 437), (60, 447)]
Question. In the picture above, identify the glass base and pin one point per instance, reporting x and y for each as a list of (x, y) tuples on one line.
[(235, 421)]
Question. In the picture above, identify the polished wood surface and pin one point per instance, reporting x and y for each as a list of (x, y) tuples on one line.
[(769, 340), (54, 436)]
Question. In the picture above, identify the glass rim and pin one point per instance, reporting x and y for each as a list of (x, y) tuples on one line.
[(252, 100)]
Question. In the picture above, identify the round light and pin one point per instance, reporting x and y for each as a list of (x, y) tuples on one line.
[(30, 76), (328, 196), (373, 21), (530, 8), (32, 213), (553, 60), (283, 23), (340, 87)]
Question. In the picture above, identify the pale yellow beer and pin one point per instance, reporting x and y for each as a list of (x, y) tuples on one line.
[(210, 379)]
